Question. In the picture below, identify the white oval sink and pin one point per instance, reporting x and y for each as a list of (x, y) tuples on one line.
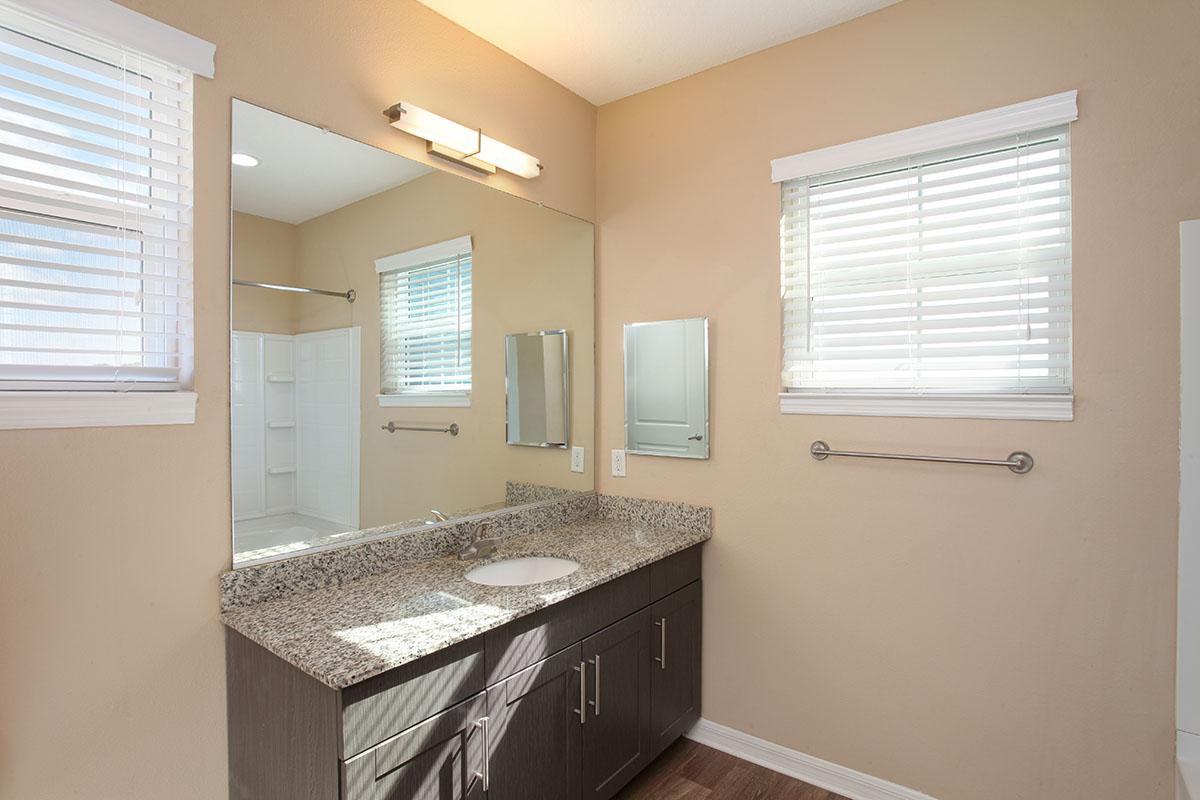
[(522, 571)]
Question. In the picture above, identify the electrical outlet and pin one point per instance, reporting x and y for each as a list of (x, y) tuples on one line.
[(577, 459), (618, 463)]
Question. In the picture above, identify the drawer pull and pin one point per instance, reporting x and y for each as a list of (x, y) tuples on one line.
[(596, 703), (486, 776), (662, 643), (582, 710)]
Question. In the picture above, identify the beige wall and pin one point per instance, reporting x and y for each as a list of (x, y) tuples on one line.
[(966, 632), (531, 270), (263, 250), (111, 669)]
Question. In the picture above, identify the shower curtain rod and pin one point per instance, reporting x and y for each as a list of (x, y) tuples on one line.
[(348, 296)]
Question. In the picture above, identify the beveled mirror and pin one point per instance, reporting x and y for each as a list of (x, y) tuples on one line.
[(538, 382)]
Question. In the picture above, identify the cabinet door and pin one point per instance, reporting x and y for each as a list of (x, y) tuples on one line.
[(616, 732), (675, 674), (534, 731), (440, 759)]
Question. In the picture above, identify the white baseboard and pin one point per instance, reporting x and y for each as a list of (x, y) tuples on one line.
[(810, 769)]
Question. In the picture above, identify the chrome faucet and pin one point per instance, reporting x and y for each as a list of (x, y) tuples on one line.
[(437, 517), (481, 546)]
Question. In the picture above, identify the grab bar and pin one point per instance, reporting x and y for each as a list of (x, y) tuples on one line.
[(1019, 461), (392, 427)]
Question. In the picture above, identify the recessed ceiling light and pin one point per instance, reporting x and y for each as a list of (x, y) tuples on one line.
[(245, 160)]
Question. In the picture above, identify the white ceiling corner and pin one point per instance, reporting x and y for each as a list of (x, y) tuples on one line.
[(604, 50), (305, 171)]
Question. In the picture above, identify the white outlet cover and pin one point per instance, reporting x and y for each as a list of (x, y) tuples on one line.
[(618, 463), (576, 459)]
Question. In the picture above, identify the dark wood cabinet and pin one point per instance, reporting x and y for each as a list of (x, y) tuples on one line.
[(534, 731), (616, 732), (442, 758), (675, 675), (567, 703)]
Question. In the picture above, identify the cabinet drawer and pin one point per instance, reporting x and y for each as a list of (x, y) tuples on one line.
[(674, 572), (389, 703), (530, 639), (441, 758)]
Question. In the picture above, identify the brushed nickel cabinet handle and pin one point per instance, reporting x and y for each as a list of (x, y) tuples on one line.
[(662, 642), (596, 703), (486, 776), (582, 710)]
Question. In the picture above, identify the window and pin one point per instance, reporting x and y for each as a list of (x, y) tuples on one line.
[(95, 221), (936, 283), (425, 325)]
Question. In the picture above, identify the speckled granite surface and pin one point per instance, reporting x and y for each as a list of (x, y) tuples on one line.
[(664, 513), (381, 549), (343, 634), (516, 492)]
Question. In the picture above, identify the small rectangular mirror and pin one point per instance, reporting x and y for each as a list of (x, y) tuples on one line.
[(537, 382), (666, 388)]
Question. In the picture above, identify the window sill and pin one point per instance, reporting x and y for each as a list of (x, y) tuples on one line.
[(1058, 408), (447, 400), (40, 409)]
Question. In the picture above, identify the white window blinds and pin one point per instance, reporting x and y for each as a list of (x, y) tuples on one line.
[(425, 318), (947, 272), (95, 212)]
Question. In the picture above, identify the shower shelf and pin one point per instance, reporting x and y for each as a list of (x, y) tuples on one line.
[(280, 377), (280, 470), (281, 423)]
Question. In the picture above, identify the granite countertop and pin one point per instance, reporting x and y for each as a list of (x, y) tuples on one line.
[(344, 634)]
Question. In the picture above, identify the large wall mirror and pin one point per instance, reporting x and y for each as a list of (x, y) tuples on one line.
[(376, 304)]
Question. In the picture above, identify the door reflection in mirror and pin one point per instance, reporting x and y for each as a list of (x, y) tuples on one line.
[(666, 388)]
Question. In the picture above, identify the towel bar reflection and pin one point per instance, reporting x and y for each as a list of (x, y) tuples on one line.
[(1019, 461), (392, 427)]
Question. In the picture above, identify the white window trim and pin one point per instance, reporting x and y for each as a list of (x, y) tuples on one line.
[(1044, 112), (425, 400), (1049, 407), (122, 25), (424, 255), (95, 409)]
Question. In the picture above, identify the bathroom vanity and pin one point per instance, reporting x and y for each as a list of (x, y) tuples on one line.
[(559, 690)]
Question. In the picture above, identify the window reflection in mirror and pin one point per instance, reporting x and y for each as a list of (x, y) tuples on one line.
[(440, 268)]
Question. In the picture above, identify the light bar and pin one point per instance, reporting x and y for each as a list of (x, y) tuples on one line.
[(507, 158), (458, 143)]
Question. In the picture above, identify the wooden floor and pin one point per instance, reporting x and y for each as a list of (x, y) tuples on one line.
[(691, 771)]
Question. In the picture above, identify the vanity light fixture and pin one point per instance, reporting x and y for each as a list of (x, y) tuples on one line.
[(244, 160), (468, 147)]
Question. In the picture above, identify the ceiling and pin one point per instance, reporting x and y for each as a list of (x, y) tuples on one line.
[(304, 171), (604, 50)]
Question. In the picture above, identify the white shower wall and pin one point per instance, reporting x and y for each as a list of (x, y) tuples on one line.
[(296, 425), (327, 398), (246, 393)]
